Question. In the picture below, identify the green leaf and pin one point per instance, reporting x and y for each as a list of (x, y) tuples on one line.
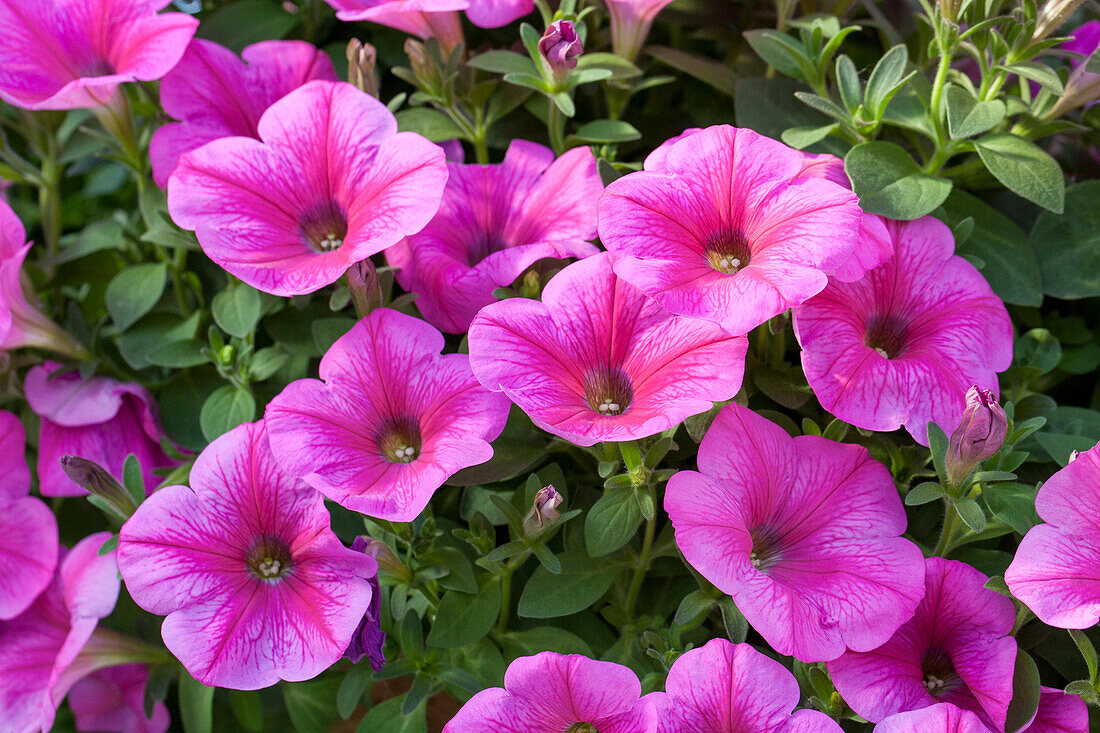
[(716, 74), (225, 409), (463, 618), (1037, 72), (890, 183), (937, 446), (430, 123), (581, 583), (971, 513), (804, 137), (612, 522), (311, 705), (887, 76), (785, 54), (737, 626), (352, 688), (1012, 503), (236, 310), (543, 639), (133, 480), (326, 331), (503, 62), (387, 716), (693, 607), (266, 362), (1068, 246), (461, 573), (564, 103), (527, 80), (619, 67), (1088, 651), (1024, 168), (1025, 693), (966, 116), (847, 81), (196, 705), (133, 292), (178, 355), (243, 23), (770, 107), (924, 493), (1060, 446), (606, 131), (246, 709)]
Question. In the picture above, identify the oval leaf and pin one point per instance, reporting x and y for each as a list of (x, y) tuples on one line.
[(890, 183), (580, 584), (1024, 168), (133, 292)]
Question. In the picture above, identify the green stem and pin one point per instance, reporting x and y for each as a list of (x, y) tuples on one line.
[(505, 601), (950, 528), (49, 198), (481, 149), (934, 110), (555, 124), (644, 560)]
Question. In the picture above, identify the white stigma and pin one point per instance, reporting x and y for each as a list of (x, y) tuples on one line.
[(882, 352), (607, 407), (754, 560), (404, 453), (270, 567), (330, 242), (729, 264), (933, 683)]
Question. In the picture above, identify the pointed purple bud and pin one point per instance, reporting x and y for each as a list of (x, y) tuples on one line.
[(544, 511), (560, 46), (369, 639), (979, 435)]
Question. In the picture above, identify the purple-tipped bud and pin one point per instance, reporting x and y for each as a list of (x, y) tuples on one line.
[(979, 435), (366, 293), (560, 46), (369, 639), (98, 482), (544, 511)]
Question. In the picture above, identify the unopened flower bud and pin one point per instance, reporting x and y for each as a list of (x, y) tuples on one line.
[(979, 435), (1052, 15), (366, 293), (544, 511), (559, 47), (98, 482), (419, 62), (388, 562), (369, 639), (362, 59)]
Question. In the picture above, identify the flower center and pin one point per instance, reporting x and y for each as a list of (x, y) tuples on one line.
[(399, 440), (765, 548), (608, 391), (484, 244), (727, 250), (886, 335), (940, 676), (268, 558), (97, 67), (324, 226)]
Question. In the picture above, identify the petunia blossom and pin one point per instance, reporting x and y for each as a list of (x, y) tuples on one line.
[(550, 693), (113, 699), (1056, 571), (214, 93), (630, 24), (22, 323), (54, 643), (255, 585), (95, 418), (904, 344), (802, 532), (1059, 713), (426, 19), (732, 687), (598, 360), (369, 639), (941, 718), (65, 54), (495, 222), (728, 229), (28, 529), (955, 649), (329, 183), (390, 421)]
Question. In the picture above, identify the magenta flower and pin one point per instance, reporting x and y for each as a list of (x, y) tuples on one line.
[(1059, 713), (369, 640), (727, 229), (903, 345), (550, 693), (391, 420), (97, 419), (22, 324), (64, 54), (496, 13), (495, 222), (113, 699), (215, 94), (955, 649), (630, 24), (426, 19), (559, 47), (732, 687), (28, 530), (802, 532), (597, 360), (54, 643), (329, 183), (941, 718), (1056, 571), (254, 584)]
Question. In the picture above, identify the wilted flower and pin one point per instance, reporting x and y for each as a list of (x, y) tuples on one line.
[(941, 718), (630, 24), (113, 699), (904, 344), (957, 648), (329, 183), (64, 54), (495, 222), (802, 532), (544, 511), (369, 639), (215, 94), (550, 693), (425, 19), (97, 419), (254, 584), (560, 46), (979, 435), (732, 687), (725, 228), (597, 360), (362, 58), (390, 420), (1052, 15), (1053, 569)]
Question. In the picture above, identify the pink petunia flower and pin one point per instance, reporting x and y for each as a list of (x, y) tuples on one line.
[(54, 643), (903, 345), (28, 529), (727, 228), (426, 19), (254, 584), (941, 718), (215, 94), (495, 222), (549, 693), (955, 649), (597, 360), (1059, 713), (22, 324), (65, 54), (732, 687), (329, 183), (497, 13), (98, 419), (392, 420), (113, 699), (630, 24), (802, 532), (1055, 571)]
